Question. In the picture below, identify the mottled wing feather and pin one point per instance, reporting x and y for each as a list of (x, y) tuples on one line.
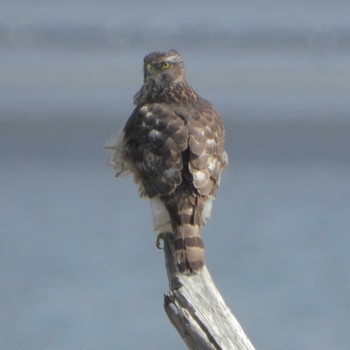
[(207, 156), (155, 138)]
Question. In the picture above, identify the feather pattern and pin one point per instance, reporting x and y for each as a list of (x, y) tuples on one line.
[(173, 144)]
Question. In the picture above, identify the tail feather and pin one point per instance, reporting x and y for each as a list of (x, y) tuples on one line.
[(189, 248), (185, 212)]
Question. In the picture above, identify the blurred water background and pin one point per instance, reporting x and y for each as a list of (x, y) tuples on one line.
[(78, 263)]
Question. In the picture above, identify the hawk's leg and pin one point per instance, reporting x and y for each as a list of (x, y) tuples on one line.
[(160, 237), (161, 220)]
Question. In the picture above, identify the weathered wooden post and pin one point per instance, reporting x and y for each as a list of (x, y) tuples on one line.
[(197, 310)]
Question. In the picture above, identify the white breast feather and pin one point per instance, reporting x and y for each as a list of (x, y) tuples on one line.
[(161, 218), (206, 214)]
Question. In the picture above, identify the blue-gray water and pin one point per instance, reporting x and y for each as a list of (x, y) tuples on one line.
[(78, 264)]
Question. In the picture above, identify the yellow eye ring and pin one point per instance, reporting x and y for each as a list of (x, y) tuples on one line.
[(165, 65)]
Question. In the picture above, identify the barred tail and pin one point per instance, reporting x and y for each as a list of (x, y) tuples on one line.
[(189, 248)]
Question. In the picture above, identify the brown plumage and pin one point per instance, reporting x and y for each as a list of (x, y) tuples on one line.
[(173, 144)]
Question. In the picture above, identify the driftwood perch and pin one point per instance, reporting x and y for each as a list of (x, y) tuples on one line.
[(198, 311)]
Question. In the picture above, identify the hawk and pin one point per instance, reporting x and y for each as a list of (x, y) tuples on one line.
[(173, 144)]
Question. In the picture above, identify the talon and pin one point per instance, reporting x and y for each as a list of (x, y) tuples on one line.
[(160, 237)]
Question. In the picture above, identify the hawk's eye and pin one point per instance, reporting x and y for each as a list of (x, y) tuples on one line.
[(165, 65)]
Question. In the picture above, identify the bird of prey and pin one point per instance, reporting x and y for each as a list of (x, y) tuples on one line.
[(173, 144)]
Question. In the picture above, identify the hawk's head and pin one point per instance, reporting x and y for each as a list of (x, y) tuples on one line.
[(165, 67)]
